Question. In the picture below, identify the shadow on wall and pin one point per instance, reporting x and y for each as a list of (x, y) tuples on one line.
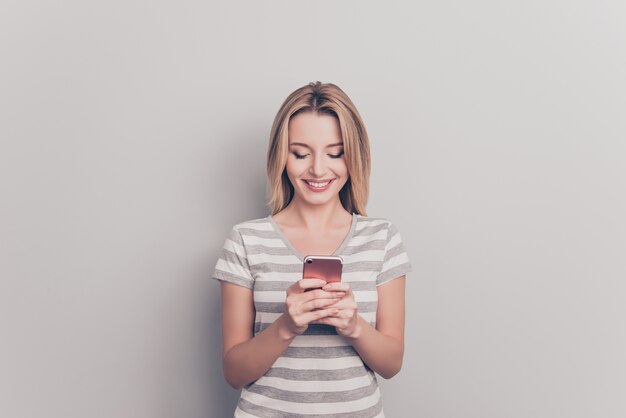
[(222, 398), (237, 193)]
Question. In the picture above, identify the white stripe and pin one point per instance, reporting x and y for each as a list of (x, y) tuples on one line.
[(243, 414), (359, 276), (365, 295), (371, 255), (318, 364), (363, 239), (315, 385), (276, 276), (268, 242), (235, 269), (270, 296), (319, 341), (254, 259), (393, 242), (306, 408), (368, 316), (395, 261), (266, 317)]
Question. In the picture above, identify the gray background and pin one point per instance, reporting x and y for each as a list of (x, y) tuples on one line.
[(134, 136)]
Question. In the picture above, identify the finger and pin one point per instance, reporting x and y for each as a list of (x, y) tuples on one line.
[(340, 304), (318, 314), (317, 303), (344, 313), (303, 284), (320, 294), (337, 286)]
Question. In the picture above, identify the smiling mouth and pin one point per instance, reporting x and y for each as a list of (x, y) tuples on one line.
[(318, 184)]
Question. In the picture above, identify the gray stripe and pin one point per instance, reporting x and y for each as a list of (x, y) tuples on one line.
[(359, 266), (314, 397), (371, 218), (392, 252), (229, 277), (320, 352), (270, 307), (262, 249), (315, 374), (279, 307), (393, 230), (393, 273), (370, 230), (263, 412), (366, 306), (275, 286), (362, 286), (234, 258), (234, 235), (271, 286)]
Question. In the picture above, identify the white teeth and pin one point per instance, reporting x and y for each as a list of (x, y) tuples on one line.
[(317, 184)]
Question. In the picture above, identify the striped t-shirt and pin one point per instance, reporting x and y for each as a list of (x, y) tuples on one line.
[(320, 374)]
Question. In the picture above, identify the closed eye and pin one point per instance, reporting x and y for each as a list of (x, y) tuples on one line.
[(299, 157)]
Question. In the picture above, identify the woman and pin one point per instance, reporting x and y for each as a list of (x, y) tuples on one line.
[(295, 352)]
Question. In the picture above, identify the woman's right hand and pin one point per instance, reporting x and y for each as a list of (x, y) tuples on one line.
[(303, 307)]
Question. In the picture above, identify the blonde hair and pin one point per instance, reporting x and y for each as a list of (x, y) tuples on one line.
[(323, 98)]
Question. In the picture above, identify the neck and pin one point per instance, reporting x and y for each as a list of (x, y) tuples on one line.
[(317, 217)]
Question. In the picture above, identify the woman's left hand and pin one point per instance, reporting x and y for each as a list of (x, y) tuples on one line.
[(346, 321)]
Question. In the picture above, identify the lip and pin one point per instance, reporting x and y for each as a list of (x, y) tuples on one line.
[(318, 189)]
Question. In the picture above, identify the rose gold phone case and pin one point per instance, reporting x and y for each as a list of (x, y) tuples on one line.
[(325, 267)]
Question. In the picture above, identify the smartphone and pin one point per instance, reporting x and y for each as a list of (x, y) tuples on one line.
[(325, 267)]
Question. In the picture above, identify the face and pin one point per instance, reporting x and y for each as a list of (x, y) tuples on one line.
[(315, 164)]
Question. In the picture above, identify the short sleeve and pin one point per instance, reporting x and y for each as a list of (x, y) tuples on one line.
[(396, 261), (232, 264)]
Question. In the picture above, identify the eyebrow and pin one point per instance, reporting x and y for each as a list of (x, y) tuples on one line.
[(327, 146)]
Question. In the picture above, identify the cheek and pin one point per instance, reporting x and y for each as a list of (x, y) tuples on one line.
[(341, 168), (294, 168)]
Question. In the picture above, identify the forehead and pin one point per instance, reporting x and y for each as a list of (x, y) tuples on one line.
[(314, 129)]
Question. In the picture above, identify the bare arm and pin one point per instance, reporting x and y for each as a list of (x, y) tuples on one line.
[(381, 348), (246, 357)]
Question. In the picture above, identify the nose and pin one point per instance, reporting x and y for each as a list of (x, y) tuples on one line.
[(317, 167)]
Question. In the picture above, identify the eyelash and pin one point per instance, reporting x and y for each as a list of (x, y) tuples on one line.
[(299, 157)]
